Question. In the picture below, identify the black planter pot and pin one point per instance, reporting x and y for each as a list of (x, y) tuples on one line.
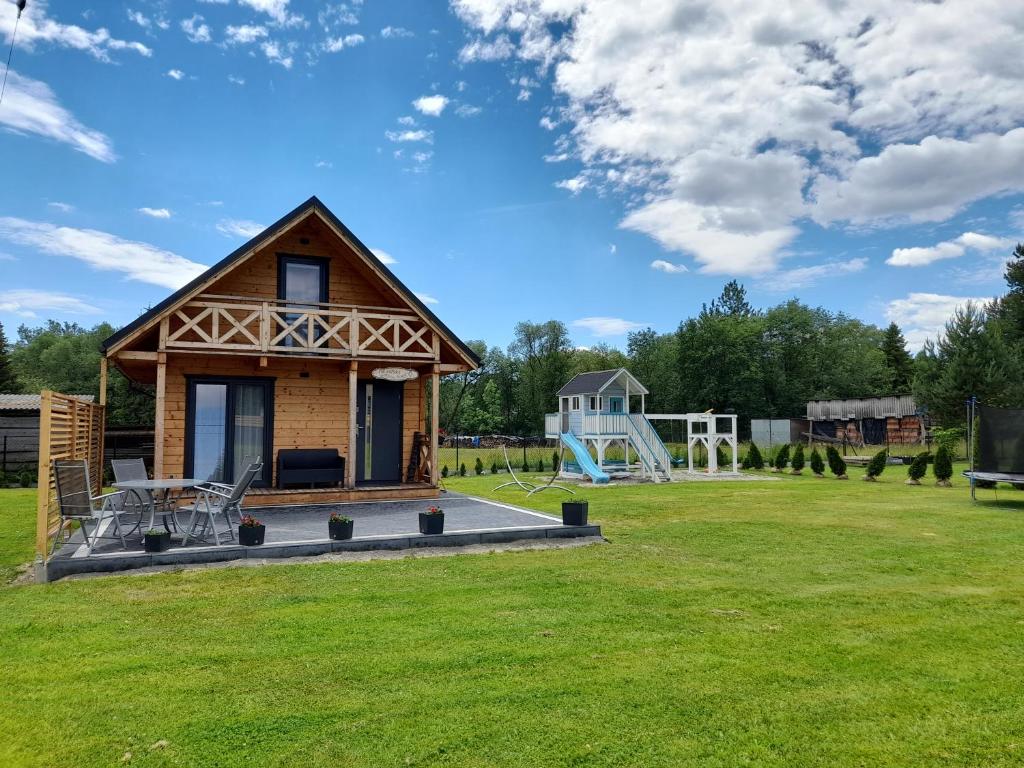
[(251, 535), (340, 530), (574, 512), (431, 524), (159, 543)]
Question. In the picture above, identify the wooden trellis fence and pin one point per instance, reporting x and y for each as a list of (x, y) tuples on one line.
[(69, 428)]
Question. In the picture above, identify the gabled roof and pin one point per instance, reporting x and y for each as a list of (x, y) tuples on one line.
[(595, 382), (31, 402), (312, 205)]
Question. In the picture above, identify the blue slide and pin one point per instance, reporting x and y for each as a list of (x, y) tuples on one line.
[(583, 458)]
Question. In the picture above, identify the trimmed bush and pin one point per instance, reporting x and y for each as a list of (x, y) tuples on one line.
[(781, 458), (754, 457), (494, 467), (798, 459), (917, 469), (817, 463), (554, 461), (540, 465), (462, 469), (720, 457), (836, 463), (943, 467), (444, 471), (745, 461), (478, 468), (526, 466), (25, 478), (876, 466)]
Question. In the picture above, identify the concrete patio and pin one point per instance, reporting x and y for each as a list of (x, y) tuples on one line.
[(301, 531)]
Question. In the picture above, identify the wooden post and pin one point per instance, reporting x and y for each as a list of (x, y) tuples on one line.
[(158, 416), (43, 476), (353, 426), (435, 417), (103, 380)]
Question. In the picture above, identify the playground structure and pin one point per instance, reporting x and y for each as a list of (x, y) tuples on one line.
[(596, 412), (995, 445)]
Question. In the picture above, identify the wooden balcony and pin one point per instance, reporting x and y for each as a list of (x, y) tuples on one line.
[(246, 325)]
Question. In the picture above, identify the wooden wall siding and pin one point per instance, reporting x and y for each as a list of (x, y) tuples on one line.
[(350, 281), (308, 412)]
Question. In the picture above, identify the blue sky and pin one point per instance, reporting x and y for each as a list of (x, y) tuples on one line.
[(520, 159)]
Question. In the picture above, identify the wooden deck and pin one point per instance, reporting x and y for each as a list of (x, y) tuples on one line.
[(275, 497)]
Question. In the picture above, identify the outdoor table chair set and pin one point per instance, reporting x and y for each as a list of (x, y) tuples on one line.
[(139, 497)]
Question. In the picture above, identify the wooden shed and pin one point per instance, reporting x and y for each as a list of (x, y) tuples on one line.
[(892, 420)]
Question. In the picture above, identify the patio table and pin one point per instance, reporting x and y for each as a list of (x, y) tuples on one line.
[(145, 491)]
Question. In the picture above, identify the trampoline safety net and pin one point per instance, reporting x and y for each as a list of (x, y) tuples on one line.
[(1000, 440)]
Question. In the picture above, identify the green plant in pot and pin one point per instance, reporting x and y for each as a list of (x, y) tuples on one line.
[(575, 512), (251, 531), (156, 540), (432, 521), (339, 526)]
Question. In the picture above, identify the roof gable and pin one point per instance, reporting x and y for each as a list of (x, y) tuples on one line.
[(594, 382), (311, 207)]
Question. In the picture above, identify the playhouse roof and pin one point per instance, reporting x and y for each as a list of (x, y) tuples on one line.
[(595, 382)]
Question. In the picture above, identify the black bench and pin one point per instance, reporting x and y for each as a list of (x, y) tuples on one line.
[(309, 466)]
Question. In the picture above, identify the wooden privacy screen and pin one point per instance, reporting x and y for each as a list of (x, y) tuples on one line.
[(69, 428)]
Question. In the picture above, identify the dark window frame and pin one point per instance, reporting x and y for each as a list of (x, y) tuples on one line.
[(283, 259), (268, 382)]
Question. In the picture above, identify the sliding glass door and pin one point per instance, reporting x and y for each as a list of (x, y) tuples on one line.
[(228, 425)]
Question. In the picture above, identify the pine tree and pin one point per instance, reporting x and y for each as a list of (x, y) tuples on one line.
[(943, 467), (8, 380), (444, 471), (540, 465), (798, 459), (554, 461), (836, 463), (754, 457), (781, 458), (876, 466), (494, 467), (478, 468), (462, 469), (817, 465), (897, 359), (526, 466), (1008, 310), (917, 469)]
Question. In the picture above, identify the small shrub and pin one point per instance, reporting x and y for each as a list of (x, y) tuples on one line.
[(526, 466), (444, 471), (943, 467), (876, 466), (836, 463), (24, 478), (462, 469), (745, 461), (817, 464), (798, 459), (754, 457), (781, 458), (948, 439), (917, 469), (478, 468), (540, 465), (720, 458), (554, 461), (494, 467)]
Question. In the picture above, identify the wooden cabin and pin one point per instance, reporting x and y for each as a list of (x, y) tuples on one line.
[(302, 338)]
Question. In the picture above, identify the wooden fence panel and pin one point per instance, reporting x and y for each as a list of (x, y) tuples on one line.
[(69, 428)]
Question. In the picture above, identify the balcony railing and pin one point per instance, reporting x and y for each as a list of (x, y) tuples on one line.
[(265, 327)]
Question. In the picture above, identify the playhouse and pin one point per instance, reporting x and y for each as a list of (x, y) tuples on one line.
[(598, 410)]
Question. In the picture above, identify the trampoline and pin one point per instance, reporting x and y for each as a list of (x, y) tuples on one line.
[(995, 444)]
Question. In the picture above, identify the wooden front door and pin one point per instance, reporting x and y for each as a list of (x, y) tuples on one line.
[(379, 429)]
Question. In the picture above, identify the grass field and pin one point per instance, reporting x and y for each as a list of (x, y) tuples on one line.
[(789, 623)]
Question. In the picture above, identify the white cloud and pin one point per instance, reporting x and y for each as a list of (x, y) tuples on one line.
[(607, 326), (239, 228), (275, 54), (235, 79), (62, 207), (403, 136), (395, 32), (155, 213), (37, 27), (923, 316), (574, 185), (323, 164), (195, 30), (27, 302), (335, 44), (803, 277), (384, 256), (137, 17), (245, 34), (275, 9), (407, 120), (432, 106), (668, 267), (725, 126), (467, 110), (426, 298), (950, 249), (338, 14), (31, 107), (101, 250), (175, 74)]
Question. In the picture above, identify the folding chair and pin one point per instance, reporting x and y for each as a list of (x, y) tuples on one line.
[(214, 499), (77, 503)]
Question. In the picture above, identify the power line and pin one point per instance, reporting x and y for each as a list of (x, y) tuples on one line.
[(14, 34)]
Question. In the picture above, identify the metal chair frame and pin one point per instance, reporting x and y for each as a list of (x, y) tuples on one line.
[(79, 495), (217, 498)]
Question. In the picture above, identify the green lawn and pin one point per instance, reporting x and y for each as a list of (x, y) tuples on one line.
[(790, 623)]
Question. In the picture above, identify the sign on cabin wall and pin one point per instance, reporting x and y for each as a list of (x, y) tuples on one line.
[(395, 374)]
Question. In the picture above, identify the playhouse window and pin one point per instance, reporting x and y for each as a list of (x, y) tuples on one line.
[(575, 403), (595, 403)]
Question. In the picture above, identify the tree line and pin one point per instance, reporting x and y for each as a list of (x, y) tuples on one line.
[(730, 357)]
